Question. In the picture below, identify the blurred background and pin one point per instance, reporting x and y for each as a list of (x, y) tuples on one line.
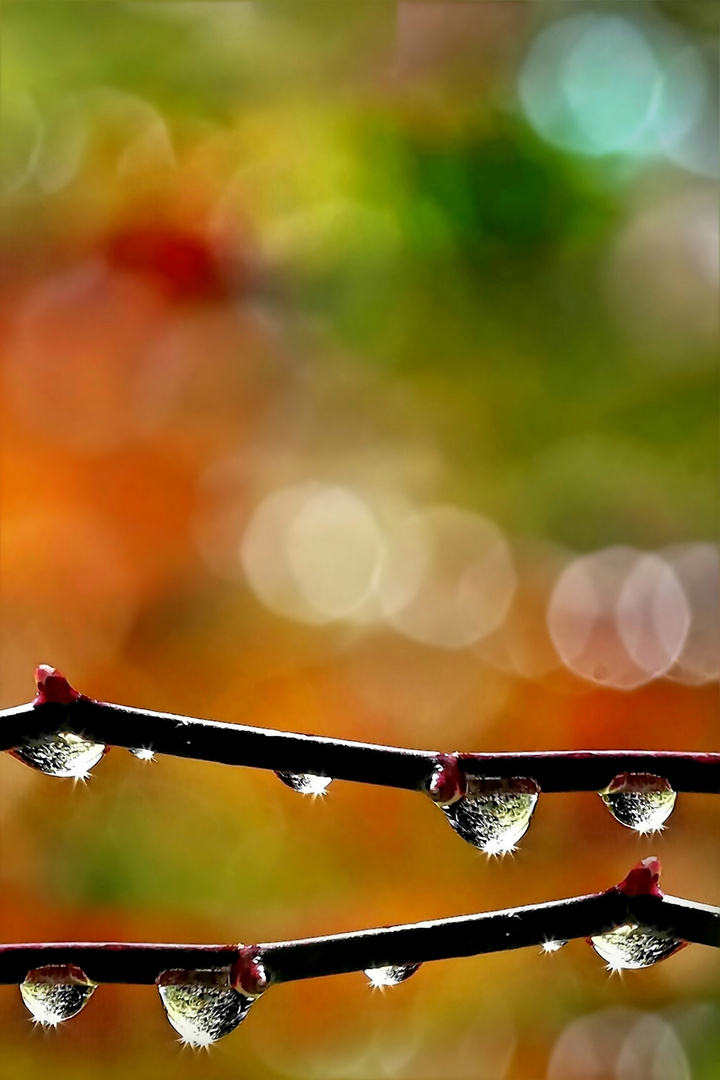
[(360, 379)]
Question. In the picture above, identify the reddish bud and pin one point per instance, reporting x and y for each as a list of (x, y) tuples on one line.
[(53, 688), (181, 263), (248, 973), (643, 879), (59, 974), (447, 783)]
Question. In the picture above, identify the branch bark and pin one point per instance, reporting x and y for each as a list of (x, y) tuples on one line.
[(388, 766), (466, 935)]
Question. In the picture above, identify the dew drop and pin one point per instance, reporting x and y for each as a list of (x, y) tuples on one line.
[(640, 801), (142, 753), (56, 993), (494, 813), (63, 754), (201, 1005), (553, 945), (392, 975), (633, 946), (306, 783)]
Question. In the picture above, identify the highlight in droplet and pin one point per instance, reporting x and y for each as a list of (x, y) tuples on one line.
[(305, 783), (391, 975), (142, 753), (553, 945)]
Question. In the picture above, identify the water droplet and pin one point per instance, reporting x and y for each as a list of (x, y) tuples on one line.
[(201, 1005), (142, 753), (392, 975), (553, 945), (306, 783), (494, 813), (62, 754), (632, 946), (639, 800), (56, 993)]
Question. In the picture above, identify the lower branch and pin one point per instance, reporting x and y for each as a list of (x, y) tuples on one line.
[(467, 935)]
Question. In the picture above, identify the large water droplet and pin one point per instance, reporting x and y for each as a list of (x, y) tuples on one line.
[(201, 1005), (63, 754), (56, 993), (494, 813), (392, 975), (639, 800), (632, 946), (306, 783)]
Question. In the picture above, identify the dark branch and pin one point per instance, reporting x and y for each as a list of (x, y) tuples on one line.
[(113, 961), (468, 935), (591, 770), (262, 748), (699, 923)]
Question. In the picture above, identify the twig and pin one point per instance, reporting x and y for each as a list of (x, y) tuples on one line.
[(282, 751), (468, 935)]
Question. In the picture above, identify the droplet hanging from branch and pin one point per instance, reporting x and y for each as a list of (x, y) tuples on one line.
[(305, 783), (632, 947), (202, 1006), (392, 975), (494, 813), (640, 801), (56, 993)]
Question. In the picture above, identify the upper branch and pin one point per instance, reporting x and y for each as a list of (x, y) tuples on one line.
[(282, 751)]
